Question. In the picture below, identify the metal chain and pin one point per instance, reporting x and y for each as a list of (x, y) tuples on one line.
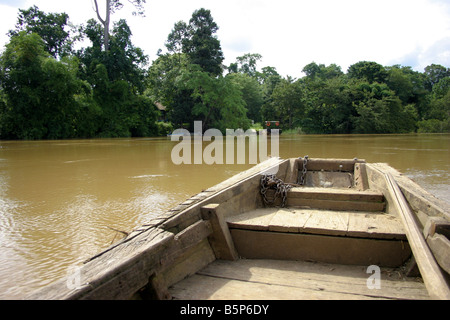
[(281, 189), (302, 179)]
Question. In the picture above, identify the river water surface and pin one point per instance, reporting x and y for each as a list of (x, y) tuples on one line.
[(61, 200)]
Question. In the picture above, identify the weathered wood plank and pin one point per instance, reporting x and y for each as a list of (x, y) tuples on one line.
[(290, 220), (325, 222), (187, 262), (258, 219), (220, 239), (155, 290), (292, 171), (293, 279), (436, 225), (329, 249), (437, 233), (343, 165), (429, 269), (199, 287), (336, 204), (336, 194), (379, 226), (360, 175), (319, 276), (440, 246)]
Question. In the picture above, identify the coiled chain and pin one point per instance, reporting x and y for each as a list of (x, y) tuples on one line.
[(281, 189)]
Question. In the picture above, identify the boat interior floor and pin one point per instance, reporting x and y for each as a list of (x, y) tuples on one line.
[(320, 246), (265, 279)]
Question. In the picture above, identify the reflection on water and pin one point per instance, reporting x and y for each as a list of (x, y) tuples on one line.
[(60, 201)]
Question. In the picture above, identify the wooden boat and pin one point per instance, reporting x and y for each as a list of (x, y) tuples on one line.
[(324, 229)]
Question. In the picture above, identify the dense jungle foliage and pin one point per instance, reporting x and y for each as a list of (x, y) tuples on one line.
[(109, 88)]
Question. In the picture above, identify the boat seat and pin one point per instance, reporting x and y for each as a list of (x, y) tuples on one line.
[(336, 199), (342, 237), (324, 222)]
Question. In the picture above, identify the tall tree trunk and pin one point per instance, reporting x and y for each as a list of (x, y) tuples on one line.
[(105, 22)]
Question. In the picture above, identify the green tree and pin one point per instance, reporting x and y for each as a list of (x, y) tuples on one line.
[(369, 71), (194, 51), (202, 46), (440, 101), (118, 80), (179, 33), (51, 27), (287, 100), (251, 93), (269, 79), (328, 105), (313, 71), (198, 41), (40, 91), (246, 64), (218, 100), (164, 86), (434, 73), (123, 61), (379, 110)]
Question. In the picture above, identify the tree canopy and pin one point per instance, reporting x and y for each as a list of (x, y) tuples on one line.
[(109, 88)]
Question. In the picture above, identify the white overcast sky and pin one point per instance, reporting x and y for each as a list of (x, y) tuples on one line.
[(289, 34)]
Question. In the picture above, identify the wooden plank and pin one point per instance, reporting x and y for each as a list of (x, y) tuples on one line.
[(325, 222), (429, 269), (436, 225), (336, 194), (329, 249), (220, 239), (319, 276), (199, 287), (292, 173), (187, 263), (379, 226), (155, 290), (437, 233), (344, 165), (336, 204), (440, 246), (293, 279), (360, 175), (290, 220), (193, 234), (258, 219)]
